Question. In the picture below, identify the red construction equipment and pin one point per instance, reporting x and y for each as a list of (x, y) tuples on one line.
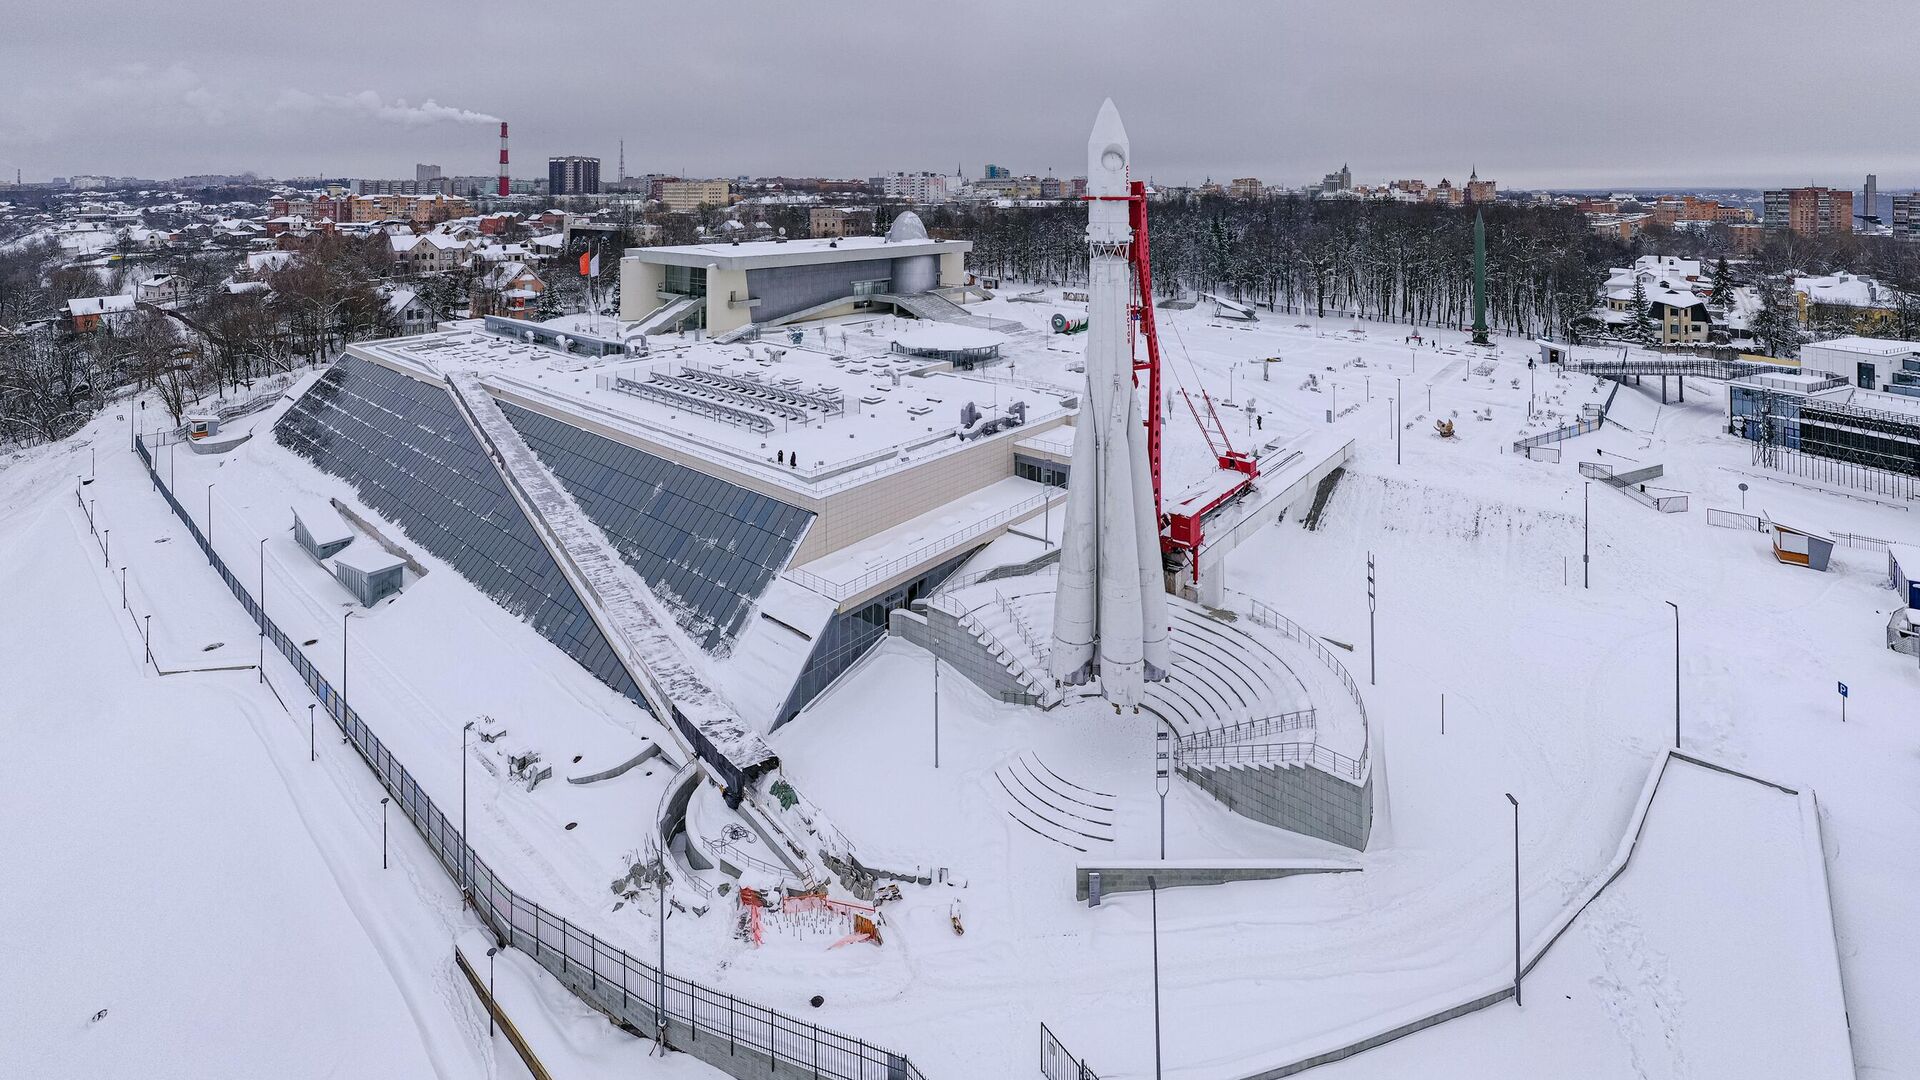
[(1181, 530)]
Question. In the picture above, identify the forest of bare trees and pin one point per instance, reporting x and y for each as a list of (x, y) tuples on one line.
[(1407, 263)]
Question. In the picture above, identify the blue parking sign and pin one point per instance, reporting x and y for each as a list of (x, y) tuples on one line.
[(1843, 689)]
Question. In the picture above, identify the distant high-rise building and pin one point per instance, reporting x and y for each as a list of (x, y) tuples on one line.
[(1872, 209), (999, 172), (682, 196), (573, 175), (423, 174), (1906, 215), (1808, 211), (1337, 181), (920, 187)]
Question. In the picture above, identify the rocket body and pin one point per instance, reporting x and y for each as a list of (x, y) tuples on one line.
[(1110, 620)]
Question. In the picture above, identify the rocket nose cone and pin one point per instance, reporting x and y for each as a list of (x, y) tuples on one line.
[(1108, 151)]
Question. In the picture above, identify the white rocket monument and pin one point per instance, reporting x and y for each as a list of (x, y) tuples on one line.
[(1110, 611)]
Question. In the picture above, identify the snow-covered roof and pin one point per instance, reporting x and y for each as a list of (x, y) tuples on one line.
[(1849, 289), (932, 335), (368, 559), (757, 254), (271, 260), (99, 305), (321, 521), (1867, 345)]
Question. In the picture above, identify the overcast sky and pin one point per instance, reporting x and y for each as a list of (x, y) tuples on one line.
[(1536, 93)]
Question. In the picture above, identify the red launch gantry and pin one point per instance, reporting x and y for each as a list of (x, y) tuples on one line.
[(1180, 525)]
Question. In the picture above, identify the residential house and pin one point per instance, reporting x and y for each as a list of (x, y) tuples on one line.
[(510, 288), (165, 289), (86, 314)]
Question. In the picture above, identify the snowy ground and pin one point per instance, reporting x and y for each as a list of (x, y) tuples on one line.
[(176, 859), (1559, 694), (1644, 986)]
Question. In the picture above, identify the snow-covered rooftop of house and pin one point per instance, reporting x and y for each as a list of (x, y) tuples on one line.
[(99, 305), (271, 260), (1843, 289)]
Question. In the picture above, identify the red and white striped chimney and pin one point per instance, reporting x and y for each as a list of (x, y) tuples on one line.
[(503, 157)]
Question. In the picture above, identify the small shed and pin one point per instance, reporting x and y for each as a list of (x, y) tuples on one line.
[(369, 572), (320, 528), (200, 425), (1800, 547), (1903, 566), (1903, 631)]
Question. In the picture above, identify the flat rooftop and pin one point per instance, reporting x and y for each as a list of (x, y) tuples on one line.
[(814, 418), (759, 254)]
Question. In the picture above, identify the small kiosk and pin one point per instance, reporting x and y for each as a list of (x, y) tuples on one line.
[(1800, 547)]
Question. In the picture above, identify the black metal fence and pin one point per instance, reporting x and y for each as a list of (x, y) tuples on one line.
[(1057, 1063), (1827, 470), (604, 975)]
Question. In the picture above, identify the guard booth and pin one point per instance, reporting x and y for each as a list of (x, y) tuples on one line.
[(369, 572), (319, 528), (200, 425), (1799, 547), (1903, 568)]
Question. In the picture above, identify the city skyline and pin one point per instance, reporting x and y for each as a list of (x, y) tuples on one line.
[(1282, 94)]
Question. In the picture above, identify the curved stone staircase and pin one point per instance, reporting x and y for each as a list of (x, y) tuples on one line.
[(1052, 807)]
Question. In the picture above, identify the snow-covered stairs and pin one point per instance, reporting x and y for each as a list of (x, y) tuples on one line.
[(1006, 631), (1052, 807)]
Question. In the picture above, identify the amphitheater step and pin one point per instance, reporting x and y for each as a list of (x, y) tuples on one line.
[(1052, 807)]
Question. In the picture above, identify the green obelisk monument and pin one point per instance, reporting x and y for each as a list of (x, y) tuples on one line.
[(1480, 279)]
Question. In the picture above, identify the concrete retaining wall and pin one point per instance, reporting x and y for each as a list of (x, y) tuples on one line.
[(1132, 877), (1296, 798), (942, 635)]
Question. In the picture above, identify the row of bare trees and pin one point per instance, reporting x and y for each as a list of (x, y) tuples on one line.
[(1407, 263)]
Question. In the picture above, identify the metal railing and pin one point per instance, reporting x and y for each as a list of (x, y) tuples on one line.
[(841, 590), (1262, 615), (1298, 720), (1729, 519), (997, 573), (1057, 1062), (1855, 540), (1579, 427), (607, 977), (1629, 484), (1844, 473), (1284, 753)]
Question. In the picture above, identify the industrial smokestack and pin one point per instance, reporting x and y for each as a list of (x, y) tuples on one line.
[(503, 158)]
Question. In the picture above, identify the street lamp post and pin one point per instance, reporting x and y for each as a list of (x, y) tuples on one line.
[(209, 524), (1163, 778), (343, 663), (383, 832), (149, 638), (1153, 894), (312, 753), (936, 710), (493, 1002), (660, 970), (464, 888), (1676, 672), (1516, 897), (1586, 548), (263, 609), (1396, 420)]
